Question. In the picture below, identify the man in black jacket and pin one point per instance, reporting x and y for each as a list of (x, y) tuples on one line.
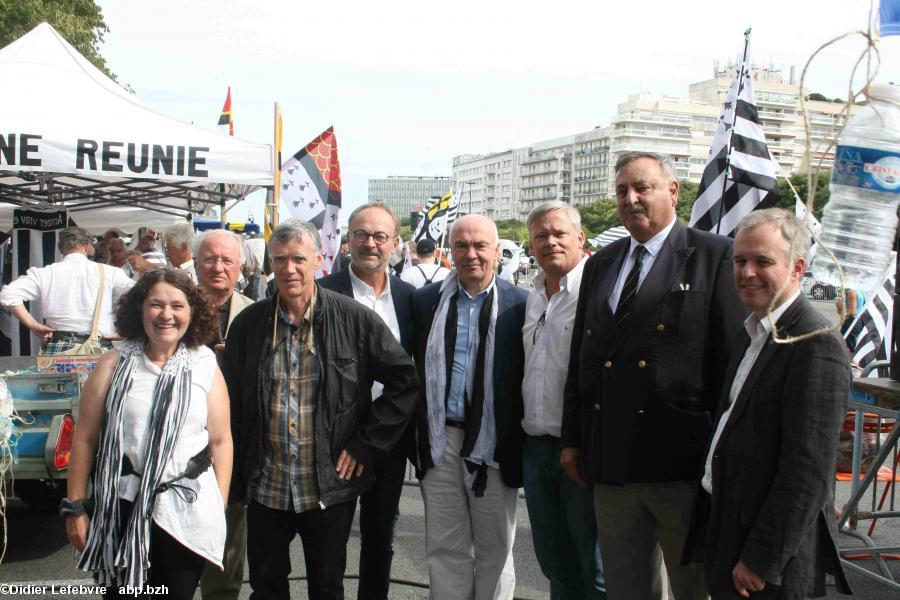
[(299, 368), (770, 468), (657, 314), (374, 233)]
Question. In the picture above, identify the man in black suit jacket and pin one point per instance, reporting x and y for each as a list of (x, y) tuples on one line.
[(657, 313), (770, 468), (373, 234)]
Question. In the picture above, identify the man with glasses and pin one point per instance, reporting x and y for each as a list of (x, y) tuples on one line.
[(561, 511), (373, 234), (218, 256)]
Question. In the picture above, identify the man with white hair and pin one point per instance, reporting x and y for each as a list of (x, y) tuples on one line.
[(177, 241), (561, 511), (68, 291), (469, 418), (218, 255)]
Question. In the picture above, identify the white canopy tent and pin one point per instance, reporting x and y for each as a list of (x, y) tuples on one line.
[(70, 136)]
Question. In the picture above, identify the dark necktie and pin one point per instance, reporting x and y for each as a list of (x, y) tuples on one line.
[(629, 290)]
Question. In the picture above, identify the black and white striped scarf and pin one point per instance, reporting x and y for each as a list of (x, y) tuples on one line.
[(117, 557)]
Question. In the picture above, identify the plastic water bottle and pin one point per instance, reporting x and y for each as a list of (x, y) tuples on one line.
[(860, 219)]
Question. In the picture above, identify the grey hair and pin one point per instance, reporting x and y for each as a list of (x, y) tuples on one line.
[(295, 229), (71, 238), (488, 219), (200, 239), (542, 209), (180, 235), (795, 233), (661, 159), (383, 207)]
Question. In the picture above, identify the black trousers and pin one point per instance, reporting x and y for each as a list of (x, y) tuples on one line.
[(324, 535), (171, 564), (378, 514)]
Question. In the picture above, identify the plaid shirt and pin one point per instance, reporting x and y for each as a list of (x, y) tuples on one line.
[(288, 477)]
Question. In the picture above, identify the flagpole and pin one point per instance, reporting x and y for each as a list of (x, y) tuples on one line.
[(731, 130), (273, 202)]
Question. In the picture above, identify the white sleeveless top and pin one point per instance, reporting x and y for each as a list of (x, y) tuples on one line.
[(198, 525)]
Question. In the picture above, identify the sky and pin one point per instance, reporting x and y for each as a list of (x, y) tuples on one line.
[(407, 85)]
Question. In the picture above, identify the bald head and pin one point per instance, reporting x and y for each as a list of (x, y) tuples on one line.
[(475, 246)]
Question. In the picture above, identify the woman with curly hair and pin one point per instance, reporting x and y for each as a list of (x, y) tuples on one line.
[(154, 417)]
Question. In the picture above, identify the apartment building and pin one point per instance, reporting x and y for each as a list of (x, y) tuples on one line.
[(578, 168), (406, 193)]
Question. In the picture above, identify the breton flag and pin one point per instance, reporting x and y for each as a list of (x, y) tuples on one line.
[(609, 236), (870, 332), (226, 122), (311, 188), (436, 218), (740, 173)]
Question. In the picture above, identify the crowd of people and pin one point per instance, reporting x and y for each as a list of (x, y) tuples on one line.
[(667, 446)]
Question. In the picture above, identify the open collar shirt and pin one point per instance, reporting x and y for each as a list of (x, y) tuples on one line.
[(383, 305), (547, 336), (288, 479), (759, 331), (468, 309)]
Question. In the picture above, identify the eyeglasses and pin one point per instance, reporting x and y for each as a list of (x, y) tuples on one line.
[(538, 328), (361, 236), (210, 261)]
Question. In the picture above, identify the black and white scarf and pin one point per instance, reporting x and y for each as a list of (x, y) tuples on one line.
[(117, 557)]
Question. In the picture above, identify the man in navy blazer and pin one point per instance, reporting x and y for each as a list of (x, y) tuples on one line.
[(373, 234), (657, 313), (469, 437)]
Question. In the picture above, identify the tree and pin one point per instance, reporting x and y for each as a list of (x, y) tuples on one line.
[(818, 97), (687, 194), (80, 22), (598, 217), (800, 183)]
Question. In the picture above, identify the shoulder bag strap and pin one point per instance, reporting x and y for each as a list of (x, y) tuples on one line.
[(95, 325)]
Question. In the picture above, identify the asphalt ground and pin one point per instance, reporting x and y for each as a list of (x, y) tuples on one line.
[(38, 554)]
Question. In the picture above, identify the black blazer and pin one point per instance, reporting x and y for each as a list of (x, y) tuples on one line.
[(509, 366), (773, 467), (639, 399), (401, 294)]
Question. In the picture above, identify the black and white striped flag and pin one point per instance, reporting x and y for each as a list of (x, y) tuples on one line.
[(437, 216), (740, 173), (870, 332)]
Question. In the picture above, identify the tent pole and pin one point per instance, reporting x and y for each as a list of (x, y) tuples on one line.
[(272, 207)]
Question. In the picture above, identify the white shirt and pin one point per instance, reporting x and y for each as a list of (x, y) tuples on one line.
[(188, 267), (67, 291), (200, 525), (547, 346), (652, 246), (382, 304), (758, 330), (418, 275)]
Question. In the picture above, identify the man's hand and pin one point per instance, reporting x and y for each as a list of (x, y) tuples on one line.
[(745, 580), (569, 458), (41, 330), (346, 465), (77, 530)]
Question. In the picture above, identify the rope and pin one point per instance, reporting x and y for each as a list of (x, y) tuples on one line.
[(813, 168)]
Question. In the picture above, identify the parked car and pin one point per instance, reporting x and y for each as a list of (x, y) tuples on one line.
[(817, 290)]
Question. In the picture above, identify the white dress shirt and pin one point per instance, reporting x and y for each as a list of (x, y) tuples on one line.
[(382, 304), (189, 268), (418, 275), (547, 336), (67, 291), (652, 246), (758, 330)]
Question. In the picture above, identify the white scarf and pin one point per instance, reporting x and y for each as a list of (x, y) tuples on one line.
[(436, 382)]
